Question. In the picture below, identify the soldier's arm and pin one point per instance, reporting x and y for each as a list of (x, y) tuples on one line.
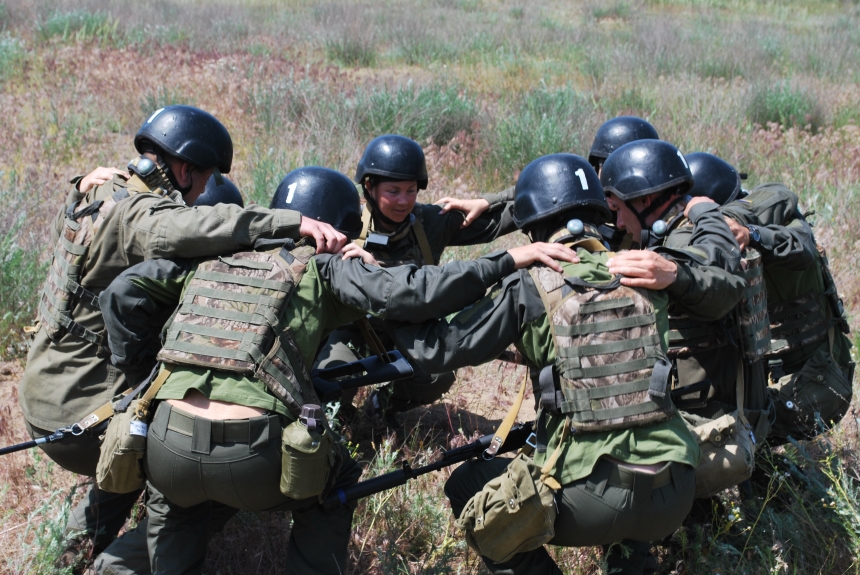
[(708, 257), (408, 293), (137, 304), (496, 221), (477, 334), (165, 229)]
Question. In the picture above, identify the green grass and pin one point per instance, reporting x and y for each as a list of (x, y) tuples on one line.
[(783, 104), (81, 26), (12, 56)]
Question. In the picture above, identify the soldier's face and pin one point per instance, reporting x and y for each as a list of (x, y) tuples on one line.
[(395, 199), (625, 219)]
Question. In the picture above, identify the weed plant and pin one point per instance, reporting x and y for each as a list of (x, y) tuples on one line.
[(782, 104), (81, 26)]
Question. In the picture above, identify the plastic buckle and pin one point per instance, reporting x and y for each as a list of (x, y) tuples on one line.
[(531, 440)]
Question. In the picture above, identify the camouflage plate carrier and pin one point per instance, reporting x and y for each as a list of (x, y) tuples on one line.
[(231, 319), (612, 370), (63, 289)]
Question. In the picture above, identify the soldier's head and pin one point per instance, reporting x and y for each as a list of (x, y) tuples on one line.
[(390, 172), (189, 144), (713, 178), (559, 191), (644, 179), (321, 194), (615, 133), (224, 192)]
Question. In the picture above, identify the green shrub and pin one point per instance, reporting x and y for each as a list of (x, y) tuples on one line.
[(534, 124), (161, 97), (436, 113), (783, 104), (351, 51), (617, 10), (21, 277), (81, 26), (12, 56)]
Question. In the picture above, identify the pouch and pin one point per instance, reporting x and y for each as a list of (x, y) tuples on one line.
[(120, 466), (819, 389), (307, 458), (514, 512)]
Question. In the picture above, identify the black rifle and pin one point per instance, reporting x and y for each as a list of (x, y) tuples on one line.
[(518, 436), (58, 435), (368, 371)]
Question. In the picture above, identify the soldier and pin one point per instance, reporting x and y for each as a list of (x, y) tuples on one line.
[(649, 181), (103, 229), (216, 433), (396, 230), (611, 135), (610, 445), (809, 363)]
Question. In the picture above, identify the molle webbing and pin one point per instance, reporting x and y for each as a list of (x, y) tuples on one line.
[(231, 319), (796, 323), (63, 289), (752, 309), (612, 371)]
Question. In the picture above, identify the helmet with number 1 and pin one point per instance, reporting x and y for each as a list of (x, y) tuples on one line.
[(615, 133), (713, 178), (645, 167), (322, 194), (393, 157), (226, 193), (553, 185)]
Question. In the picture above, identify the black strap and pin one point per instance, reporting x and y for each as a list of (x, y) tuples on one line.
[(660, 379), (550, 396), (579, 282), (89, 210)]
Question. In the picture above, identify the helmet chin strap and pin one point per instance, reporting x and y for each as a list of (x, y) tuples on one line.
[(650, 235)]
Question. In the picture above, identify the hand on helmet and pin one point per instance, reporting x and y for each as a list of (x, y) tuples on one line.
[(351, 250), (472, 209), (643, 268), (741, 233), (328, 239), (547, 254), (98, 177)]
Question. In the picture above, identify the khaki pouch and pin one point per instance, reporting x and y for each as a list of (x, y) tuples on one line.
[(819, 390), (513, 513), (307, 459), (728, 453), (120, 466)]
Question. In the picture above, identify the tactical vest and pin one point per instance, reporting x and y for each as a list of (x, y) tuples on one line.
[(231, 319), (421, 253), (611, 368), (689, 336), (63, 287)]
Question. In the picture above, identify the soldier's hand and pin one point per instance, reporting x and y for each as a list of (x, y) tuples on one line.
[(98, 177), (643, 268), (695, 201), (328, 239), (741, 233), (353, 251), (546, 254), (471, 208)]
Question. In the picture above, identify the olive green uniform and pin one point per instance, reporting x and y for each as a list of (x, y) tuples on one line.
[(810, 360), (67, 379), (602, 500), (420, 240), (192, 461)]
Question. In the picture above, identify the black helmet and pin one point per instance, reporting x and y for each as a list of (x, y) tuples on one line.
[(645, 167), (714, 178), (555, 184), (395, 157), (226, 193), (321, 194), (189, 134), (615, 133)]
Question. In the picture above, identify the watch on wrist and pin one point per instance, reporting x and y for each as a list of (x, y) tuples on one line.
[(755, 235)]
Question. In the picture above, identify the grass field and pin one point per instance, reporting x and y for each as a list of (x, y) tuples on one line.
[(485, 86)]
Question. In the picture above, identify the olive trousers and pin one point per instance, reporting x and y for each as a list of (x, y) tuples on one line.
[(193, 464), (609, 506)]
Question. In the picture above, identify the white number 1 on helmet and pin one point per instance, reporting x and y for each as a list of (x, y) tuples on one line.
[(292, 191), (581, 173)]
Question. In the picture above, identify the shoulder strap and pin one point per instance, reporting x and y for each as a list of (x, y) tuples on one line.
[(423, 243), (366, 218), (506, 425)]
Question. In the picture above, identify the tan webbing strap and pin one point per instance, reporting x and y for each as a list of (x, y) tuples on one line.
[(739, 394), (506, 425), (366, 218), (372, 339), (545, 472), (106, 411), (423, 243)]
